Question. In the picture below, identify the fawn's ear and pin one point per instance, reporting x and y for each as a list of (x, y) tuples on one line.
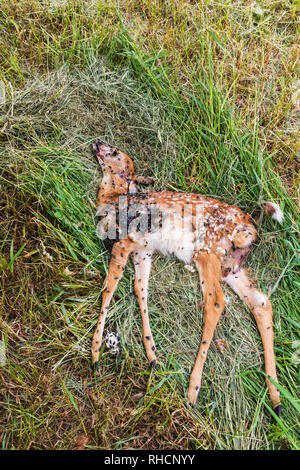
[(144, 179)]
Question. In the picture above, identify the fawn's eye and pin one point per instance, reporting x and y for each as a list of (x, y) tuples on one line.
[(115, 153)]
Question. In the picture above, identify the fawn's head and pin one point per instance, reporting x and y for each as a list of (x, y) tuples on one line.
[(117, 167), (113, 162), (118, 171)]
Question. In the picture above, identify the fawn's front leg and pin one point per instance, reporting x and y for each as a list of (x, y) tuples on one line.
[(142, 264), (119, 256), (261, 308), (209, 269)]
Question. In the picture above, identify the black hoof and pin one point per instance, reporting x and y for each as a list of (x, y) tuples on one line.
[(277, 410), (153, 364), (95, 366)]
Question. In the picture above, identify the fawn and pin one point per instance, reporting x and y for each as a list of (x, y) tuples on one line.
[(214, 235)]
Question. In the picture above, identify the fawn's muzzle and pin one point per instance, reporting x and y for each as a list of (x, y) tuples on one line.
[(100, 149)]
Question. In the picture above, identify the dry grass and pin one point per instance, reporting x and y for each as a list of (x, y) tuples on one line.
[(50, 291)]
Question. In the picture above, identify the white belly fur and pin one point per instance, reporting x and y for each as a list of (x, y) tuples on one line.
[(170, 240)]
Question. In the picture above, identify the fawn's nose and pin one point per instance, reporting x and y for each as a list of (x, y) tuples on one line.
[(100, 148)]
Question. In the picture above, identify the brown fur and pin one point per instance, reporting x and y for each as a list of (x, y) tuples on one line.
[(218, 241)]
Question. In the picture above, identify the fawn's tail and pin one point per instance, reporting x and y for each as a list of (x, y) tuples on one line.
[(273, 210)]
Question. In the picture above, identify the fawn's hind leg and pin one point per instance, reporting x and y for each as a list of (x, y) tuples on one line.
[(119, 256), (261, 308), (142, 264), (209, 268)]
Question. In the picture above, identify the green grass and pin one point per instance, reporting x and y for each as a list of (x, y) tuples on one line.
[(73, 74)]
